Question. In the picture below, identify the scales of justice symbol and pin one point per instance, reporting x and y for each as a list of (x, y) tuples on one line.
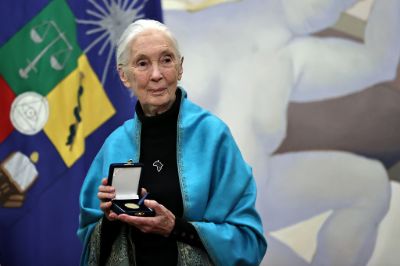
[(37, 37), (30, 110)]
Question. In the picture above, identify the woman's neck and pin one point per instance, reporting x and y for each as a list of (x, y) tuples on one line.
[(151, 110)]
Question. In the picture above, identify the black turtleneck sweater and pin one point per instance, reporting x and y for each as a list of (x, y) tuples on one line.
[(160, 178)]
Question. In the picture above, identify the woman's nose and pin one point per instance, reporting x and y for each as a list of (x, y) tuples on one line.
[(156, 71)]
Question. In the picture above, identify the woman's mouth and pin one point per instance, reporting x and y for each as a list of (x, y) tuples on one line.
[(158, 92)]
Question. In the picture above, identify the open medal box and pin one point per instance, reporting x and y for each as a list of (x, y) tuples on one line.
[(124, 177)]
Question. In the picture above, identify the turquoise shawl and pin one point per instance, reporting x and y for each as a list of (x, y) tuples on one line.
[(218, 188)]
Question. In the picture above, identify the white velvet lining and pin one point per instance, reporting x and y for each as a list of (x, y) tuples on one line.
[(126, 181)]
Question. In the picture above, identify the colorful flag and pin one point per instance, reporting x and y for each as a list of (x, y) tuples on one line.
[(60, 97)]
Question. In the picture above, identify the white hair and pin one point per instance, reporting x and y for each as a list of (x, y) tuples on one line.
[(132, 31)]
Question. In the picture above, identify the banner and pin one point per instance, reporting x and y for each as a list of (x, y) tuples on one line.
[(60, 97)]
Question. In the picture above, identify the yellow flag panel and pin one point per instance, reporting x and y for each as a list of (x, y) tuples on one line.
[(78, 106)]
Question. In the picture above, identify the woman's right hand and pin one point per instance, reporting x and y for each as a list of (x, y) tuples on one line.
[(106, 194)]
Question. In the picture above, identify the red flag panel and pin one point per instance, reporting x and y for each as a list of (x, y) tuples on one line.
[(6, 97)]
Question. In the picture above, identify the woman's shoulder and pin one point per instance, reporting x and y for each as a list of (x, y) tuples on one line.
[(122, 132), (195, 113), (199, 119)]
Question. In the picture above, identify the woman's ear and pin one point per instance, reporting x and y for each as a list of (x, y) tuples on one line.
[(123, 76), (180, 72)]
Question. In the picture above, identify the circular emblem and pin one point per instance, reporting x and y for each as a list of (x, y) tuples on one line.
[(29, 113)]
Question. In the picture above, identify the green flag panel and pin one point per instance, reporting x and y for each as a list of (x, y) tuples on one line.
[(43, 52)]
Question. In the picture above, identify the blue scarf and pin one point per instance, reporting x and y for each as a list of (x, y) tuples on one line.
[(218, 188)]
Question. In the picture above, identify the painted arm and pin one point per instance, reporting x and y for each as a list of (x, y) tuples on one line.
[(332, 67)]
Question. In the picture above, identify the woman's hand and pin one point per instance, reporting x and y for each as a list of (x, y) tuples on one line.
[(161, 224), (106, 194)]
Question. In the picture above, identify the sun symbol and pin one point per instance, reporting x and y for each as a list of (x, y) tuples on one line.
[(109, 21)]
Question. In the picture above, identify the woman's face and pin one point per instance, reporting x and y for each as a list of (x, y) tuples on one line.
[(153, 71)]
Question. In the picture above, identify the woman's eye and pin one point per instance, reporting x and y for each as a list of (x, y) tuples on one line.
[(166, 60), (142, 64)]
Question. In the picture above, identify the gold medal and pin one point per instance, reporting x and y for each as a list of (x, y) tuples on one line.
[(132, 205)]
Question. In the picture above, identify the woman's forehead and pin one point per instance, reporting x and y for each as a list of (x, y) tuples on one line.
[(151, 38), (152, 42)]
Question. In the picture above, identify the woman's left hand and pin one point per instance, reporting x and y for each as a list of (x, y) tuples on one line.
[(162, 223)]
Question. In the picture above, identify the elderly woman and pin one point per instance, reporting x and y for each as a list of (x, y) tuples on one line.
[(201, 190)]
